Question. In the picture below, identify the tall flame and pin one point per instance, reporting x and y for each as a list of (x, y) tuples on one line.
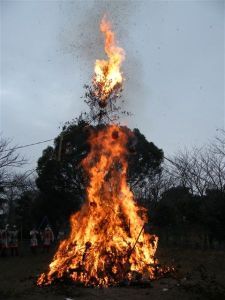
[(107, 72), (107, 243)]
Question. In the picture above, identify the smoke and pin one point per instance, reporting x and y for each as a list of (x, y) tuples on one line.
[(82, 36), (82, 39)]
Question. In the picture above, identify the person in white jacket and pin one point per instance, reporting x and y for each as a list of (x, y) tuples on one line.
[(48, 238), (34, 240)]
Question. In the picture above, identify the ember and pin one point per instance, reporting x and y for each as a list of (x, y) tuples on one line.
[(107, 243)]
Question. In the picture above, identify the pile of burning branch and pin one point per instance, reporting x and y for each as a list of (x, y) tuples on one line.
[(107, 244)]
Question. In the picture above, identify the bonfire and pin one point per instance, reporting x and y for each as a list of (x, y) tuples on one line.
[(107, 243)]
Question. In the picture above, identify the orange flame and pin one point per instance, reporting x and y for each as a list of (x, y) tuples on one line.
[(107, 72), (107, 243)]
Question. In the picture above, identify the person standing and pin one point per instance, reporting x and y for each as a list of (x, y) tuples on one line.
[(13, 241), (33, 240), (4, 240), (0, 240), (48, 238)]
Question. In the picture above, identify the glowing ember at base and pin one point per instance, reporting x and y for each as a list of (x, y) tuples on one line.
[(107, 243)]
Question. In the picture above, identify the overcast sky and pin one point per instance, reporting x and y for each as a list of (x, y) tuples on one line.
[(174, 67)]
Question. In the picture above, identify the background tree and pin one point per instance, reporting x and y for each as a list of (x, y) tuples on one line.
[(191, 208), (10, 160), (62, 181)]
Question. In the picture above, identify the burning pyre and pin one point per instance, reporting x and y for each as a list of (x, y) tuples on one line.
[(107, 243)]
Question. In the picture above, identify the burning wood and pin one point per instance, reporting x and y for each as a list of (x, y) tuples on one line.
[(107, 243)]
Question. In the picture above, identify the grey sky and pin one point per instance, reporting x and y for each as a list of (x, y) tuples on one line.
[(174, 67)]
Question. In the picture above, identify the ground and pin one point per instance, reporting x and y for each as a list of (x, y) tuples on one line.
[(200, 275)]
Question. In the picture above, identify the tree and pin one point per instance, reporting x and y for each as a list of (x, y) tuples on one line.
[(212, 215), (25, 214), (176, 206), (201, 172), (9, 160), (62, 181), (200, 169)]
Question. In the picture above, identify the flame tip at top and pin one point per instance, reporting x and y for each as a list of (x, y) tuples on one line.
[(107, 74)]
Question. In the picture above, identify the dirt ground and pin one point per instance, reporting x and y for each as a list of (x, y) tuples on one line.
[(200, 275)]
